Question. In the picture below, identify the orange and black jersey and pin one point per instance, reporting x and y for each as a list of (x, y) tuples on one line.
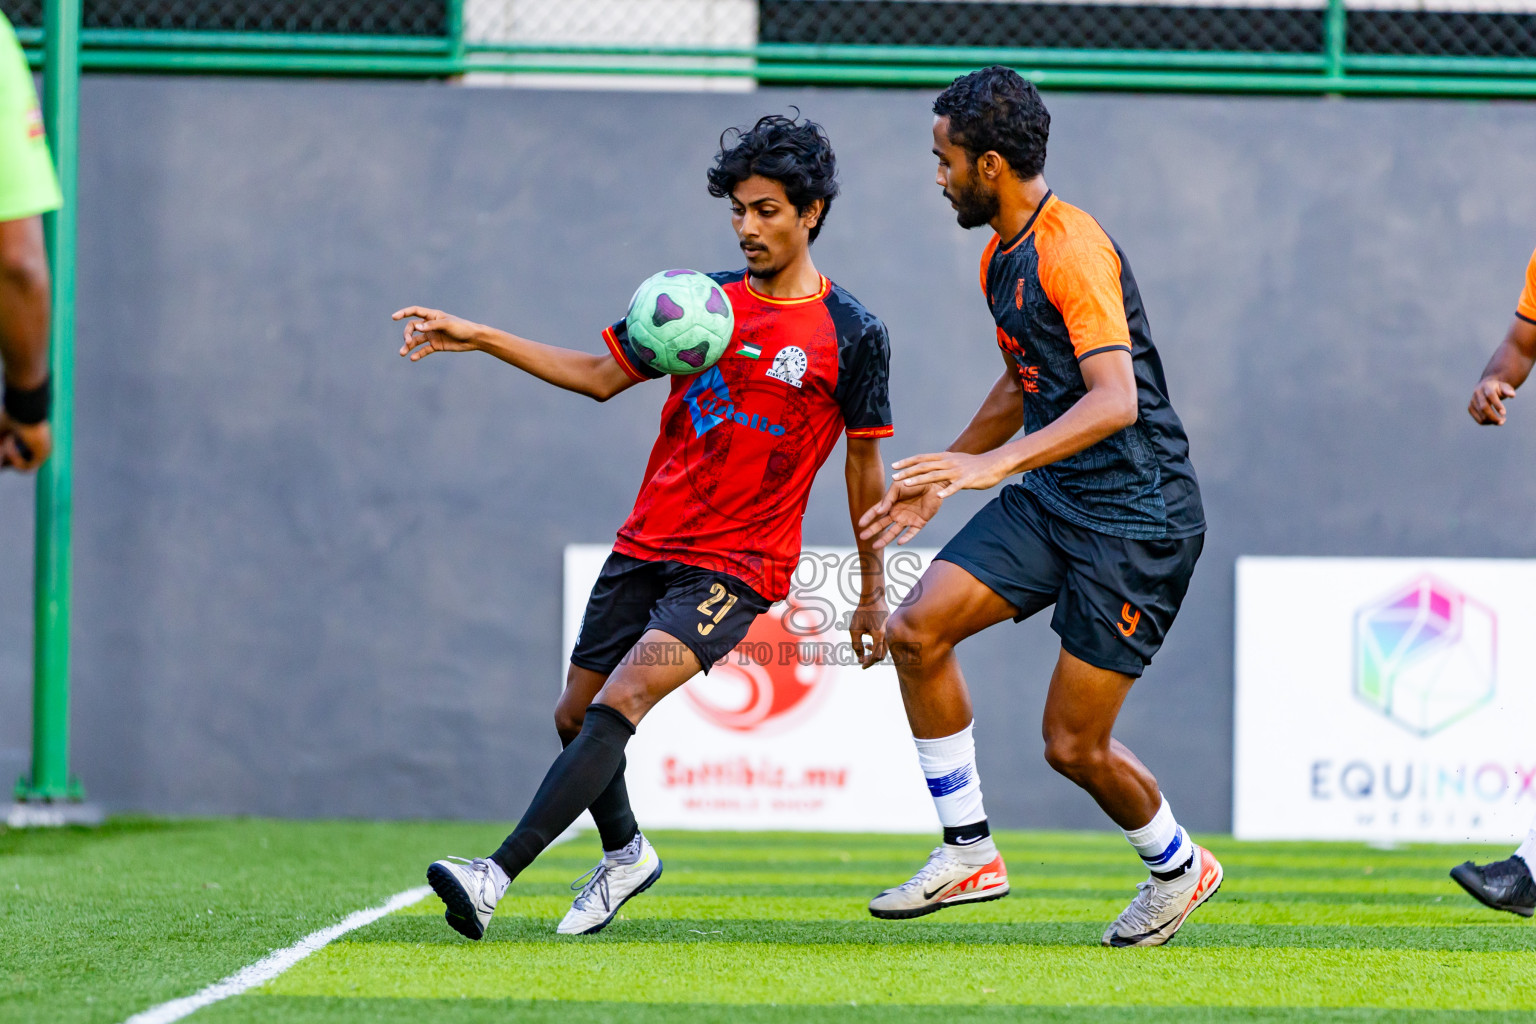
[(1526, 308), (1061, 292)]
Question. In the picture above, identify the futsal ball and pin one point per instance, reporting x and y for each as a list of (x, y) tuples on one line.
[(680, 322)]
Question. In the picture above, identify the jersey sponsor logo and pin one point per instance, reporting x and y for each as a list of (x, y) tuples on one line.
[(34, 120), (1130, 618), (710, 404), (789, 365), (1018, 295), (708, 390), (1029, 376), (1008, 343)]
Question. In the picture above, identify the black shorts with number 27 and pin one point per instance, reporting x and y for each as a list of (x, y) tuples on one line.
[(709, 612)]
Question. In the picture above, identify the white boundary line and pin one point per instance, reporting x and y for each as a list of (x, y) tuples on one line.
[(266, 969)]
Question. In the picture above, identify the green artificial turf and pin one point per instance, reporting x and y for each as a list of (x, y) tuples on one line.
[(96, 925)]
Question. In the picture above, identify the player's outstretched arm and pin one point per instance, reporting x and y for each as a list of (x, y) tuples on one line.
[(432, 330), (899, 515), (1506, 371), (1110, 405), (865, 475)]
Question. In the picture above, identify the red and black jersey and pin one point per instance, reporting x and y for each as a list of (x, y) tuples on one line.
[(730, 473)]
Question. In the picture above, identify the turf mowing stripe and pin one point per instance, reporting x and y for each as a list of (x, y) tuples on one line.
[(265, 970), (325, 1010), (940, 973), (810, 934), (663, 903), (1119, 881)]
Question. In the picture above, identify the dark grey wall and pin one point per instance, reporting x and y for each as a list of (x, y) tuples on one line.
[(314, 580)]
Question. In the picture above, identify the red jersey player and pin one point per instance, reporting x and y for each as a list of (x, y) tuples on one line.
[(715, 532)]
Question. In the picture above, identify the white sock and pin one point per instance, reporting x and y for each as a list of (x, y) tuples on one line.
[(1163, 844), (1527, 851), (627, 855), (949, 765), (501, 877)]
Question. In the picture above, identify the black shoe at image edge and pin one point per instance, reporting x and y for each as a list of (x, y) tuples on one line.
[(1502, 885)]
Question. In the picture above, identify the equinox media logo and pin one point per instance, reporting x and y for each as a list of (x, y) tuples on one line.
[(1426, 655)]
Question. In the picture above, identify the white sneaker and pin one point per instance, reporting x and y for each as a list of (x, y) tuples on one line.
[(471, 889), (1160, 908), (606, 888), (943, 882)]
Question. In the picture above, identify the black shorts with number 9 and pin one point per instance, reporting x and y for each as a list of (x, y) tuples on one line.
[(710, 612)]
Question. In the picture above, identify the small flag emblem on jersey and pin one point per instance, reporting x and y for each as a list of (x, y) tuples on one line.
[(750, 350)]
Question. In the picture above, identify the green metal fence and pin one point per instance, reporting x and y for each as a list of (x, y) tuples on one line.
[(1325, 47)]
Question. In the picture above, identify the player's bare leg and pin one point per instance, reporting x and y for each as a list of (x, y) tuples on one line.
[(577, 778), (581, 688), (1080, 712), (633, 688), (630, 864), (948, 605)]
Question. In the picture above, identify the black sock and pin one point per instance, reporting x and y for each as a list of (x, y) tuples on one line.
[(1172, 873), (615, 819), (581, 772), (965, 835)]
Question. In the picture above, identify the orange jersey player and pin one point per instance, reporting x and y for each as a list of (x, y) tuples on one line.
[(1105, 525), (1506, 884), (1512, 360)]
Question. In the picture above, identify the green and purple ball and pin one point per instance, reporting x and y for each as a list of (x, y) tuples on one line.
[(680, 322)]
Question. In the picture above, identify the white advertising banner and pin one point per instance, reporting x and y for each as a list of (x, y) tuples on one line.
[(787, 732), (1385, 699)]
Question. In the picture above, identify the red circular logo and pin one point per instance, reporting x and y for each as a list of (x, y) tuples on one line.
[(769, 677)]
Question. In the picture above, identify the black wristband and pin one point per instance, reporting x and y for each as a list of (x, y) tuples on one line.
[(29, 406)]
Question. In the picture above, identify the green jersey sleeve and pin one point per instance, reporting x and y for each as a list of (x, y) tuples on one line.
[(28, 185)]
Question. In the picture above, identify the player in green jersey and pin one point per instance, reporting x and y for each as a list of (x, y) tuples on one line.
[(28, 189)]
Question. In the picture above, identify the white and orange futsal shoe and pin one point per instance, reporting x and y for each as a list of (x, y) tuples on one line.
[(943, 882), (1161, 907)]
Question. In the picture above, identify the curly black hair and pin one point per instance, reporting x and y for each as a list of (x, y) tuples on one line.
[(794, 153), (995, 109)]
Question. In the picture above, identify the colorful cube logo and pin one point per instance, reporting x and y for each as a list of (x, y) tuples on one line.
[(1426, 655)]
